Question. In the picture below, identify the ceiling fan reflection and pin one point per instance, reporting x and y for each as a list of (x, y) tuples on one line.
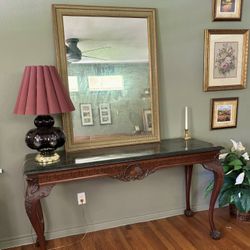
[(74, 54)]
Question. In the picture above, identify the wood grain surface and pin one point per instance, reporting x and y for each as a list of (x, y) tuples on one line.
[(178, 232)]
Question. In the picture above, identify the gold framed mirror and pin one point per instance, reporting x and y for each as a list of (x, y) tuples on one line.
[(106, 57)]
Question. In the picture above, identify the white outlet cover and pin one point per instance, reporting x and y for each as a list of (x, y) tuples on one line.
[(81, 198)]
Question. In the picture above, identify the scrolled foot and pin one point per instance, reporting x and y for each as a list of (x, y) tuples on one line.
[(216, 235), (188, 212)]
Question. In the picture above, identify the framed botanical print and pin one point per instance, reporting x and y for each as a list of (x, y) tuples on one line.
[(225, 59), (227, 10), (224, 112), (86, 114)]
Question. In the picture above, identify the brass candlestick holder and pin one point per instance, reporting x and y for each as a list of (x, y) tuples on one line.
[(187, 135)]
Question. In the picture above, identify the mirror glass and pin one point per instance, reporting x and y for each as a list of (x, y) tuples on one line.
[(107, 59)]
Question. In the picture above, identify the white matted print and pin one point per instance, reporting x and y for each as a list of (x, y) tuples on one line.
[(105, 113), (86, 114), (225, 59)]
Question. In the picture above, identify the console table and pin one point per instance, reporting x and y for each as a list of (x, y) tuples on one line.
[(124, 163)]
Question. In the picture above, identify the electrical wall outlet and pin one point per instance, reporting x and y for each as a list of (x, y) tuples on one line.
[(1, 171), (81, 198)]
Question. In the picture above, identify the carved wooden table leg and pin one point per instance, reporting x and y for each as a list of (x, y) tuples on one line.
[(40, 218), (188, 177), (34, 210), (218, 181)]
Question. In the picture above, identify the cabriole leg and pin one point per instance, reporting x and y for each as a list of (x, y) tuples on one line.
[(34, 193), (217, 170), (188, 178)]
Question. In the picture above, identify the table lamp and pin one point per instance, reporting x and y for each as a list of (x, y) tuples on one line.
[(42, 93)]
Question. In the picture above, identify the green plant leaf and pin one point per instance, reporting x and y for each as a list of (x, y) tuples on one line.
[(235, 162), (209, 188), (237, 203), (247, 167), (247, 178), (245, 182), (242, 201), (235, 197), (226, 186), (229, 183), (244, 162), (226, 168), (245, 200), (225, 198), (230, 157), (230, 178), (237, 167)]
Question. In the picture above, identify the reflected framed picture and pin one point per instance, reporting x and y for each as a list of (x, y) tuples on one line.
[(224, 112), (86, 114), (105, 113), (225, 59), (147, 120), (227, 10)]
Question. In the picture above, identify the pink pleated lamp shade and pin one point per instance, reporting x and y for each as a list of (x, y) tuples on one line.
[(42, 92)]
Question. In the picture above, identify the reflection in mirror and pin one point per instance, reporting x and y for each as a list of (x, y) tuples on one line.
[(107, 58)]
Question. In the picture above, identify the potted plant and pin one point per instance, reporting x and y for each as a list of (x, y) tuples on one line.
[(235, 191)]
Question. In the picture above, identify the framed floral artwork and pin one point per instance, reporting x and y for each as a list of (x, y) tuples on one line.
[(227, 10), (225, 59), (224, 112)]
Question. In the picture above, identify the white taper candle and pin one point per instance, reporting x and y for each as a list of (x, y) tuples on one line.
[(186, 118)]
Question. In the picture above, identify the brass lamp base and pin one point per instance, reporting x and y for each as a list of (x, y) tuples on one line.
[(47, 159), (187, 135)]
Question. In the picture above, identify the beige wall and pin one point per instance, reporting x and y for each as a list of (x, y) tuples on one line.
[(27, 39)]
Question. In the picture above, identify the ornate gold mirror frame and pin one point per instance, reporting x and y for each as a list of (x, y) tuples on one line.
[(106, 57)]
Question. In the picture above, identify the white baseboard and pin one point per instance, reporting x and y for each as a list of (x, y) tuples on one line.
[(29, 238)]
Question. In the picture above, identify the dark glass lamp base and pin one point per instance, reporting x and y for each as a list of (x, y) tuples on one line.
[(46, 139)]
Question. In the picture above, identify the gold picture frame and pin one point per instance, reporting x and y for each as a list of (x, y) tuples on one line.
[(89, 38), (227, 10), (224, 112), (225, 59)]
